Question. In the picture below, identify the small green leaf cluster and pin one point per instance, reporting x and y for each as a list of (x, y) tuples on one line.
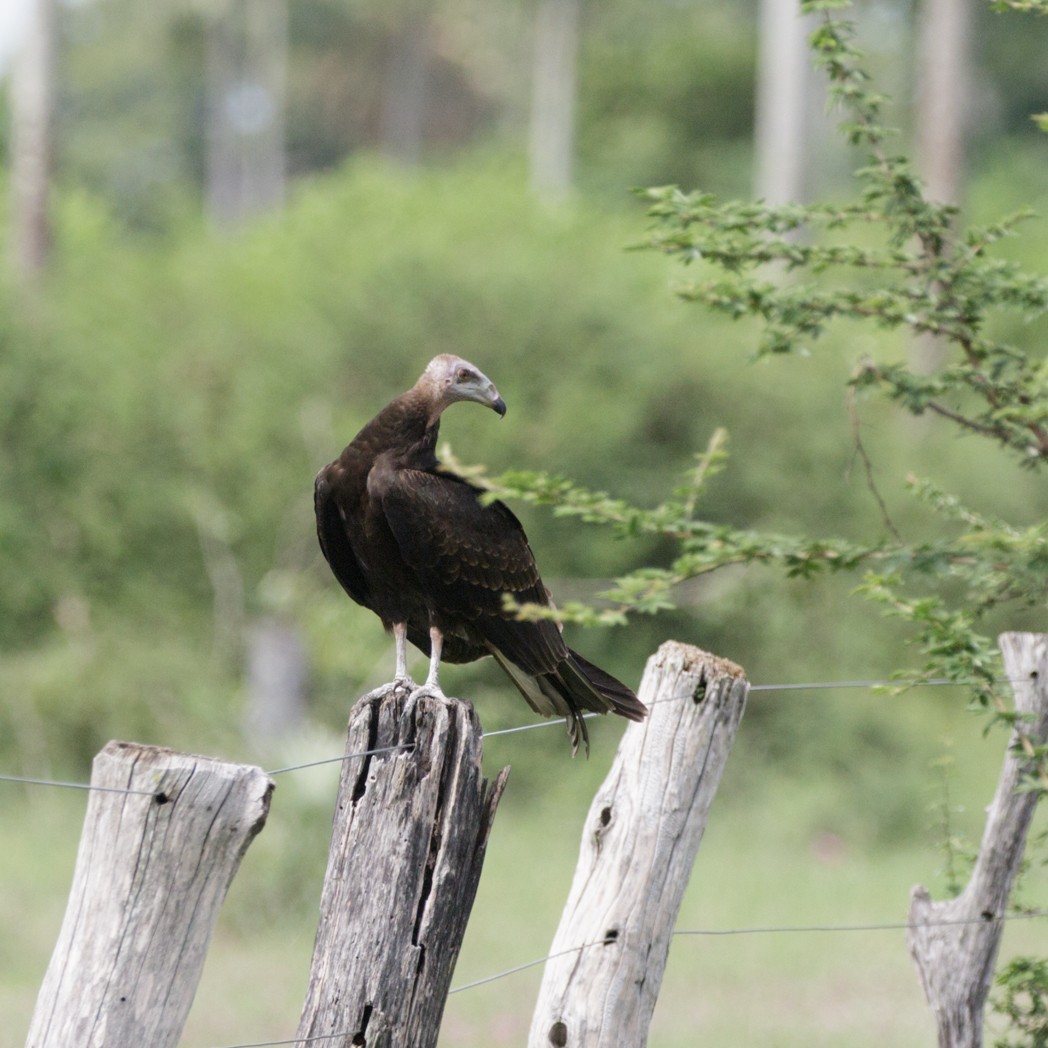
[(701, 546), (1023, 6), (896, 260), (1024, 1002), (892, 258)]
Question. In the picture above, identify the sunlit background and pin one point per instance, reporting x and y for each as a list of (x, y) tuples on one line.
[(235, 228)]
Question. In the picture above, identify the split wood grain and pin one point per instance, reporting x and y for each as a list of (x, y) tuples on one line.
[(639, 844), (151, 873), (410, 830), (954, 943)]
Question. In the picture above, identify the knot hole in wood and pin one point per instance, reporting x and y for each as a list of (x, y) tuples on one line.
[(603, 822)]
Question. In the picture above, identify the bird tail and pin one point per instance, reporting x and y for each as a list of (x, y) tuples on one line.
[(573, 687), (614, 695)]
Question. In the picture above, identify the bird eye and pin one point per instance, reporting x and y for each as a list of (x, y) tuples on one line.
[(464, 375)]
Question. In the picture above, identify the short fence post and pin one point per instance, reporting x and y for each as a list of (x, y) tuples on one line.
[(642, 834), (954, 943), (152, 870), (407, 846)]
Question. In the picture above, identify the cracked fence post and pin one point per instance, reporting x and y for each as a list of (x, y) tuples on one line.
[(639, 844), (151, 872), (954, 943), (410, 830)]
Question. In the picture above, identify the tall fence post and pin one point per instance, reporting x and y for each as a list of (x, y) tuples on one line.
[(639, 844), (152, 870), (410, 830), (954, 943)]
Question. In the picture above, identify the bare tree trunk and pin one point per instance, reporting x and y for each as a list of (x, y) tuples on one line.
[(402, 121), (153, 868), (246, 72), (32, 103), (552, 141), (781, 124), (954, 943), (638, 847), (944, 59), (277, 679), (407, 846)]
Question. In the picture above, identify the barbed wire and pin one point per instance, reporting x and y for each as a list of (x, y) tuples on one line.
[(802, 686)]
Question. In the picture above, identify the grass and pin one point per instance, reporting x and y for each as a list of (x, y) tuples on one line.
[(775, 854)]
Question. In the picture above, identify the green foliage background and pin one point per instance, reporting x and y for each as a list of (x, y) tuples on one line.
[(168, 394), (168, 407)]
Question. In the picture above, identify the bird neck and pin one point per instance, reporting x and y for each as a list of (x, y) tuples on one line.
[(406, 426)]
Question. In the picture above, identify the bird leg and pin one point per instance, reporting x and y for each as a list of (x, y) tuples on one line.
[(436, 645), (400, 639), (432, 685)]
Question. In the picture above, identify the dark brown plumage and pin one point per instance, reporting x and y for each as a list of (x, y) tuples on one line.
[(413, 542)]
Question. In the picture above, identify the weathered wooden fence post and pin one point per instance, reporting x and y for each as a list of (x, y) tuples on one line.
[(954, 943), (639, 844), (151, 872), (407, 846)]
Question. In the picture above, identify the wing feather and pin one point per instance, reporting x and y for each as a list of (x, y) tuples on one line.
[(334, 541), (467, 555)]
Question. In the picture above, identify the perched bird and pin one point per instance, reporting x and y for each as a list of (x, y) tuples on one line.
[(413, 542)]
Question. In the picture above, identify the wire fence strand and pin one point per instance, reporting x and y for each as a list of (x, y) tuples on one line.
[(795, 687), (887, 926), (341, 760), (76, 785), (695, 932), (713, 932)]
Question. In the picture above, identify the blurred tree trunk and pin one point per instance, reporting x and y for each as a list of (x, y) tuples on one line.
[(277, 680), (32, 104), (553, 97), (781, 121), (402, 121), (246, 72), (944, 56)]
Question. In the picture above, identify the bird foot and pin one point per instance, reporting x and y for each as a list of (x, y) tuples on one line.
[(404, 684), (428, 691), (410, 708)]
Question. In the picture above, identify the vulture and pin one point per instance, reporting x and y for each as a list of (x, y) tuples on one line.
[(415, 543)]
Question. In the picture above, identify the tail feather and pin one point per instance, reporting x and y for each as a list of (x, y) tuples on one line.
[(622, 699), (574, 686)]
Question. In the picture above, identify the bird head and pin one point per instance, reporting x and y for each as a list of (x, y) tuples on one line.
[(448, 379)]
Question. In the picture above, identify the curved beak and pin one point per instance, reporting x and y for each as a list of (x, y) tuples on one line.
[(498, 405)]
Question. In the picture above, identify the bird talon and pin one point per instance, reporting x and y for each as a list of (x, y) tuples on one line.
[(427, 691)]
